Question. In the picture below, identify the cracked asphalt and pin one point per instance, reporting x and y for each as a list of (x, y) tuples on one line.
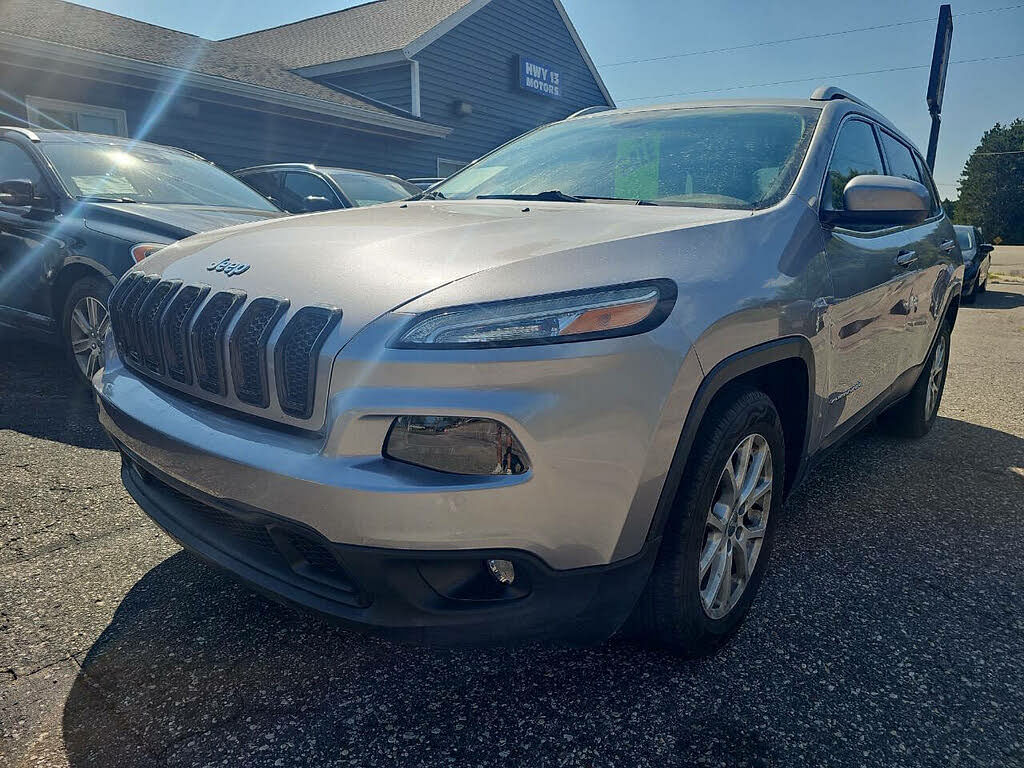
[(889, 629)]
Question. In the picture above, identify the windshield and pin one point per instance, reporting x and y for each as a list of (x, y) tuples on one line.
[(719, 157), (148, 174), (365, 189), (964, 237)]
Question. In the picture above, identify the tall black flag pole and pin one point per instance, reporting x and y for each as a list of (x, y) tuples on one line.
[(937, 79)]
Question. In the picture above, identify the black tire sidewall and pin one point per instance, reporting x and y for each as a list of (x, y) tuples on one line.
[(96, 287), (698, 632), (929, 420)]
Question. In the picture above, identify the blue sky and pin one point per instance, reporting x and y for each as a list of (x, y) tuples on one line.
[(977, 94)]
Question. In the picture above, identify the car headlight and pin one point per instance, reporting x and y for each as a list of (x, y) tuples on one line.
[(595, 313), (142, 250)]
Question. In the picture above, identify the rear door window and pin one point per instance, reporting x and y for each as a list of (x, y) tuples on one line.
[(901, 159), (855, 154), (265, 183)]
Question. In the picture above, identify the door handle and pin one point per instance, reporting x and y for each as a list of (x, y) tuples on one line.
[(947, 245), (905, 258)]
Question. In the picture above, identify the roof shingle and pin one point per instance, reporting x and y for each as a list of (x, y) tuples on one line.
[(375, 27)]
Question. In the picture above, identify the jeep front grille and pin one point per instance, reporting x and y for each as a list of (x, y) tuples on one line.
[(219, 346)]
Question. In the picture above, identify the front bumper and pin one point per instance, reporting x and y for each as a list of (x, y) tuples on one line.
[(432, 597)]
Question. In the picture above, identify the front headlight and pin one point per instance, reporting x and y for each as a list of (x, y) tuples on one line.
[(595, 313)]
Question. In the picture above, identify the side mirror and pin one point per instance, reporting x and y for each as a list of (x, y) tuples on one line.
[(985, 249), (881, 201), (17, 192), (313, 203)]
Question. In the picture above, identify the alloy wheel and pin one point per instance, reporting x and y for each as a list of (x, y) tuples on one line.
[(735, 527), (89, 321), (931, 395)]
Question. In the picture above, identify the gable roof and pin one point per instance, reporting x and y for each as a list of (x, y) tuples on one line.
[(375, 27), (77, 28)]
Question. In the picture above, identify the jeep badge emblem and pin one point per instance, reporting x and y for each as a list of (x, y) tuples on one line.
[(228, 267)]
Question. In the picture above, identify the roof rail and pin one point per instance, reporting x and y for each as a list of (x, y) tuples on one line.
[(30, 135), (830, 92), (589, 111)]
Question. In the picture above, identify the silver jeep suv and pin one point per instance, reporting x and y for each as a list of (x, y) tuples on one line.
[(562, 393)]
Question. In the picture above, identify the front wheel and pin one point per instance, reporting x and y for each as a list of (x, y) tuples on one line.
[(716, 543), (84, 324)]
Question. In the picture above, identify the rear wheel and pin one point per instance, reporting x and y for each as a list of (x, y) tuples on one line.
[(84, 324), (915, 414), (717, 542)]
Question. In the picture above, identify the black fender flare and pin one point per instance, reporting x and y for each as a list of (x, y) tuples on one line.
[(725, 372)]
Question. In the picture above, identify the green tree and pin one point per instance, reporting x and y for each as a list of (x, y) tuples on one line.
[(950, 208), (992, 184)]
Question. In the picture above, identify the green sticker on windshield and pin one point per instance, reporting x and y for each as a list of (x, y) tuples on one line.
[(636, 167)]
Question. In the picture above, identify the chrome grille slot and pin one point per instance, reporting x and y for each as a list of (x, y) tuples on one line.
[(295, 357), (115, 305), (208, 334), (248, 348), (174, 331), (148, 327), (129, 309)]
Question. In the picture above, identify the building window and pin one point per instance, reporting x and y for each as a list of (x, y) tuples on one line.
[(67, 115), (446, 167)]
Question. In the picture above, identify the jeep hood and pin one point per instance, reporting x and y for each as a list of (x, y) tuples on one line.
[(371, 260)]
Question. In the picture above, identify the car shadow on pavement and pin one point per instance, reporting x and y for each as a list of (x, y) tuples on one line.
[(195, 669), (993, 298), (39, 397)]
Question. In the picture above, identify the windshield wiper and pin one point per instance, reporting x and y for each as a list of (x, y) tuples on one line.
[(553, 196), (429, 196), (105, 199), (630, 200)]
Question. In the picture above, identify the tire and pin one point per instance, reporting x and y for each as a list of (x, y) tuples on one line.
[(982, 287), (673, 611), (969, 298), (83, 330), (915, 414)]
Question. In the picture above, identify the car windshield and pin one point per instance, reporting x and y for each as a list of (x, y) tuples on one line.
[(964, 237), (147, 174), (716, 157), (367, 189)]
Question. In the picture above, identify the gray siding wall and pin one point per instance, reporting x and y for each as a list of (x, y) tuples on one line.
[(390, 85), (477, 62), (230, 135)]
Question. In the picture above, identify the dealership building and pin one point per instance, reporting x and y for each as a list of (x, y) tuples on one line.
[(413, 87)]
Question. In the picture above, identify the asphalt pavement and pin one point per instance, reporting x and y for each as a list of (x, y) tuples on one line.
[(889, 630)]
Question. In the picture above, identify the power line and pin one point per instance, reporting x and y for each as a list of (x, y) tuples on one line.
[(818, 77), (782, 41)]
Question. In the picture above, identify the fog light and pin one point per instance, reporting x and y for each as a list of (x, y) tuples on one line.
[(502, 570), (462, 445)]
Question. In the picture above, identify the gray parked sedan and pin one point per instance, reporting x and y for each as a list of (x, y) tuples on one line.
[(565, 392)]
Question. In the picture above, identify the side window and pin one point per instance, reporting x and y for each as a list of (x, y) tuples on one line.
[(856, 154), (926, 179), (16, 164), (264, 183), (901, 159), (303, 185)]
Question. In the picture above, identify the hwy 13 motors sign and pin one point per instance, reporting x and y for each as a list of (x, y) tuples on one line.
[(539, 78)]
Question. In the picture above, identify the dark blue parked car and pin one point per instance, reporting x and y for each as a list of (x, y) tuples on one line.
[(78, 210), (977, 258)]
